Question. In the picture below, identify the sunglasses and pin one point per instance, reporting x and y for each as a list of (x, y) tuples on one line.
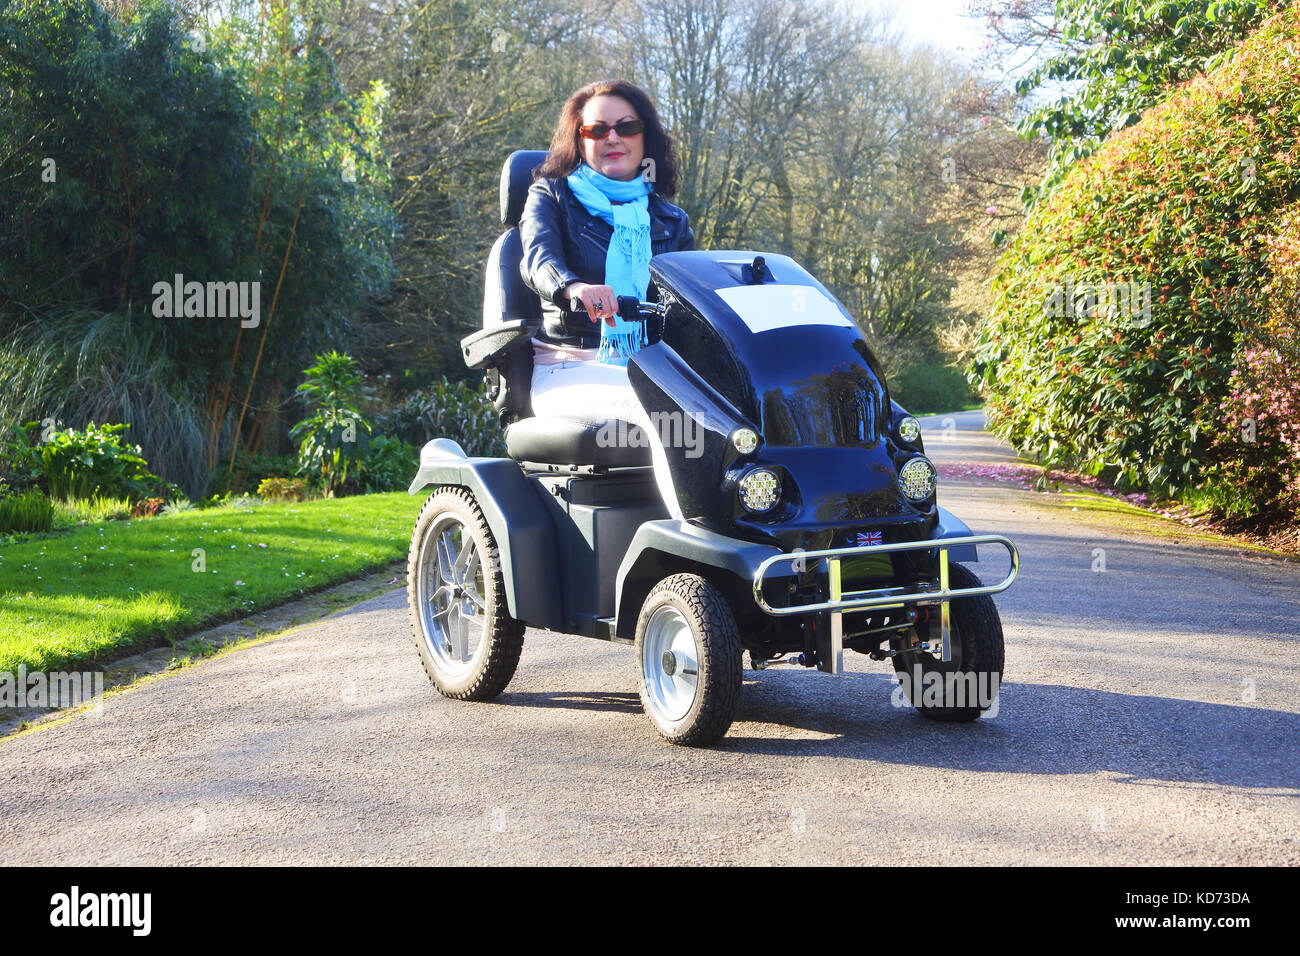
[(601, 130)]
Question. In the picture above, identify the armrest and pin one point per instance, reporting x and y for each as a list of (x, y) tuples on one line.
[(485, 348)]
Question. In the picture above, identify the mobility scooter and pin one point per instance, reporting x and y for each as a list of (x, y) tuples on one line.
[(802, 520)]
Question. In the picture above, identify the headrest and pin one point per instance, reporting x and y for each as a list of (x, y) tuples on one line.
[(516, 177)]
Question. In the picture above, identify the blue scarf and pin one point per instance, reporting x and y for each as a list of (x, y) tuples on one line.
[(627, 262)]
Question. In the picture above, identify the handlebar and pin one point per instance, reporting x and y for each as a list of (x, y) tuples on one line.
[(630, 309)]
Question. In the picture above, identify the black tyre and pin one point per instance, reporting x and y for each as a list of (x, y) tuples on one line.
[(688, 660), (468, 642), (966, 686)]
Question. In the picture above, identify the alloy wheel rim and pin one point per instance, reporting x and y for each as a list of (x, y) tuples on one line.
[(453, 611)]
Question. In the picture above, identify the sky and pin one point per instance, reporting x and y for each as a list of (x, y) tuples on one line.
[(935, 21)]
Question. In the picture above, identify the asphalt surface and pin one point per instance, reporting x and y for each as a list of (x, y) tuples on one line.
[(1148, 715)]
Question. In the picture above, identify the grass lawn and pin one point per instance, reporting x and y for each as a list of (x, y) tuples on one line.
[(87, 596)]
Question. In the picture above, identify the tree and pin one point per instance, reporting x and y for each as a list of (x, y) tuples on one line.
[(1108, 61), (469, 83), (137, 148), (812, 130)]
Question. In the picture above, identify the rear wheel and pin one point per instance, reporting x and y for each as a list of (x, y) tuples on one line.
[(966, 686), (467, 640), (688, 658)]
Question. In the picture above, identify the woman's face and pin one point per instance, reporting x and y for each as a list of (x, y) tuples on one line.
[(618, 157)]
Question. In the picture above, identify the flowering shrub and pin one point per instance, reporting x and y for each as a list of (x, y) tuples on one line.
[(1258, 452), (1119, 308)]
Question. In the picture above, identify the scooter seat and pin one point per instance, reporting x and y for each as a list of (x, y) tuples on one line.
[(551, 440)]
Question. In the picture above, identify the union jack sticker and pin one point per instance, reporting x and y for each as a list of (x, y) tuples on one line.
[(869, 537)]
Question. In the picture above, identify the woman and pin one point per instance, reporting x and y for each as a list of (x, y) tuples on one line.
[(597, 211)]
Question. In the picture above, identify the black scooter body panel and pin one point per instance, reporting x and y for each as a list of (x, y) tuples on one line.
[(814, 392)]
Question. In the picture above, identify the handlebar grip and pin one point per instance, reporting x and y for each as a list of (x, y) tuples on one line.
[(576, 320), (628, 306)]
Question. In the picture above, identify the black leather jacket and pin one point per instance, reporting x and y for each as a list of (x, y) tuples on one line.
[(562, 242)]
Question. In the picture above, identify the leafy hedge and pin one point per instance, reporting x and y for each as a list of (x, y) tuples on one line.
[(1178, 207)]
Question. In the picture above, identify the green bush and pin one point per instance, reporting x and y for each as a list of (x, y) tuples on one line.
[(26, 511), (250, 471), (335, 434), (84, 463), (1226, 499), (20, 459), (448, 409), (925, 388), (390, 466), (282, 489), (1119, 306)]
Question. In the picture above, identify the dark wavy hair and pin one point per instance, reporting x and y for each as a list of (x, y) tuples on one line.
[(566, 150)]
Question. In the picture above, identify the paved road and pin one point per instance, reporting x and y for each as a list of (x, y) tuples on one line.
[(1149, 715)]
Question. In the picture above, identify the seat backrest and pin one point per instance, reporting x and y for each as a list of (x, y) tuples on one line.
[(516, 179), (506, 297)]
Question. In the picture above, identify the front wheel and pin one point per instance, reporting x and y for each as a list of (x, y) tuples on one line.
[(966, 686), (468, 642), (688, 659)]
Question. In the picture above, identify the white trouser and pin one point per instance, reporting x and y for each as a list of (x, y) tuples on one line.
[(595, 392)]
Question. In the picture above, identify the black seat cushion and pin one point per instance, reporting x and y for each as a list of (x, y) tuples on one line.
[(566, 441)]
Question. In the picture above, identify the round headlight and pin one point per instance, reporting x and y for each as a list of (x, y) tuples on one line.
[(744, 440), (916, 479), (759, 490), (909, 429)]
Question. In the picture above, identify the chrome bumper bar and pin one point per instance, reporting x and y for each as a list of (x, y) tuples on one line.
[(841, 601)]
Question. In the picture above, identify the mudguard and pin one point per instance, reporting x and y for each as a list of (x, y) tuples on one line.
[(517, 516), (659, 547), (950, 526)]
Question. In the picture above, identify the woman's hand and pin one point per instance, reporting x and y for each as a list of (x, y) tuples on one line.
[(599, 300)]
